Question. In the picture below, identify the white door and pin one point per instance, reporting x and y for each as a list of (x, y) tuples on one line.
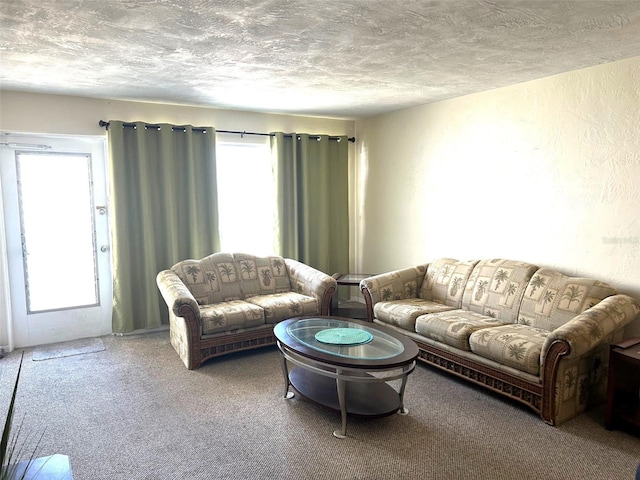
[(55, 196)]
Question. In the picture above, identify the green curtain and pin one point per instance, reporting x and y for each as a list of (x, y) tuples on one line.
[(163, 209), (313, 194)]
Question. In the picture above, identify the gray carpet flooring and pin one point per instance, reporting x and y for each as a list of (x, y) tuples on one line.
[(133, 411)]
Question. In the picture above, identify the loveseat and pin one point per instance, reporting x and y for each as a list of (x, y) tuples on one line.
[(533, 334), (227, 302)]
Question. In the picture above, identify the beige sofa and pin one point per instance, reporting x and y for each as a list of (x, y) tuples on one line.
[(228, 302), (530, 333)]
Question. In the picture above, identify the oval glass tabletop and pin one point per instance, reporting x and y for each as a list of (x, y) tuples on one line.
[(344, 338)]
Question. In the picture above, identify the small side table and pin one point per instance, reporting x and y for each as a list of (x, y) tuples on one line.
[(348, 309), (623, 389)]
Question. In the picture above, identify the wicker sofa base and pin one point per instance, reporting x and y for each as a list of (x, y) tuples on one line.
[(215, 347), (528, 393)]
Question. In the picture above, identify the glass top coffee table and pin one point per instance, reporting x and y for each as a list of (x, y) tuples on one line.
[(345, 364)]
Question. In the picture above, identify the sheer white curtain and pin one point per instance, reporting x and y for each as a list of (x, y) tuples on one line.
[(246, 194)]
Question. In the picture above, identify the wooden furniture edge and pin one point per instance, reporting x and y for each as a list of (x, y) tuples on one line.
[(621, 412), (522, 391), (193, 332), (235, 342), (557, 350), (326, 299), (630, 342), (368, 302), (540, 397)]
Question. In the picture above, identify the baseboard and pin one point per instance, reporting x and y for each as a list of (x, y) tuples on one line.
[(141, 331)]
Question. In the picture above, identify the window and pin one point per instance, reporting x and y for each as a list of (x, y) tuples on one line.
[(246, 194)]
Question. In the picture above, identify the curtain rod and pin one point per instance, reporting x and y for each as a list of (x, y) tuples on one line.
[(104, 124)]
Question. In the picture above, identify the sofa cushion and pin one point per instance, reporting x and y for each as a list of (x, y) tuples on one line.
[(445, 281), (517, 346), (403, 313), (228, 316), (280, 306), (495, 288), (211, 280), (261, 275), (552, 299), (453, 327)]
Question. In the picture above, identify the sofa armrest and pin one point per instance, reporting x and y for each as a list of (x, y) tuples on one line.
[(594, 326), (178, 297), (310, 281), (395, 285)]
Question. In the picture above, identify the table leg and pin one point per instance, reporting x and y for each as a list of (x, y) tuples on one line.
[(342, 400), (402, 410), (285, 371)]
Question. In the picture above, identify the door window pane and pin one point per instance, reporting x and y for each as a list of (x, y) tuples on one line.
[(58, 237)]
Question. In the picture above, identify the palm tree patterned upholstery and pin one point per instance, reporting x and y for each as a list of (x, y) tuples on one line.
[(230, 301), (533, 334)]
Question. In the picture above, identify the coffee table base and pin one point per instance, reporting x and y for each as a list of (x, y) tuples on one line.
[(348, 390), (362, 399)]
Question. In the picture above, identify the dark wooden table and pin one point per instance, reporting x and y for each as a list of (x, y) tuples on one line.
[(623, 390), (349, 309)]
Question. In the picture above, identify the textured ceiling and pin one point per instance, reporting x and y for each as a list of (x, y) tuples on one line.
[(334, 58)]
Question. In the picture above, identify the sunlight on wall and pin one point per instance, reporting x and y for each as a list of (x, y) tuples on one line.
[(358, 205), (545, 171)]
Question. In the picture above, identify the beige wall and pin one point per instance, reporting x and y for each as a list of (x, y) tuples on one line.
[(57, 114), (546, 171)]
